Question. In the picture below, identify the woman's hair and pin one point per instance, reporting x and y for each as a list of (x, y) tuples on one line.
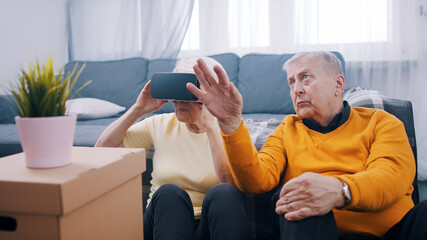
[(185, 65), (330, 59)]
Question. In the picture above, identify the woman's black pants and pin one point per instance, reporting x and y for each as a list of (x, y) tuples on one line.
[(170, 215)]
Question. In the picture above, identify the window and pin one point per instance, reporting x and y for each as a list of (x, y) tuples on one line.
[(275, 26), (192, 39), (248, 23), (245, 25), (341, 21)]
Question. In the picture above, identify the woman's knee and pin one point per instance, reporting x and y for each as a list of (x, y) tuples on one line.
[(170, 193), (170, 187)]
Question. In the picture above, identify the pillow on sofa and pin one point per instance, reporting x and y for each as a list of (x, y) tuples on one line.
[(259, 130), (363, 97), (90, 108)]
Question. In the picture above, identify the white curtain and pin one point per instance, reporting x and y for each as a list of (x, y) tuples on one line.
[(116, 29), (384, 42)]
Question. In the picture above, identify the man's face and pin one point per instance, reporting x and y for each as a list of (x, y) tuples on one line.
[(313, 89)]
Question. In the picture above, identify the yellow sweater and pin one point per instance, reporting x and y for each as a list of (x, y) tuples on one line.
[(370, 152)]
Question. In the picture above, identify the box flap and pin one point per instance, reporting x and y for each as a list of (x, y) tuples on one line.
[(57, 191)]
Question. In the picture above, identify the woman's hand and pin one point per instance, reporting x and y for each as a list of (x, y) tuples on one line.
[(145, 103), (113, 135)]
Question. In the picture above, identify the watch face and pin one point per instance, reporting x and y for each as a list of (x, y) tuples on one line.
[(346, 193)]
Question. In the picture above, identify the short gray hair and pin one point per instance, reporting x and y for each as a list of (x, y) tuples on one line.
[(185, 65), (329, 58)]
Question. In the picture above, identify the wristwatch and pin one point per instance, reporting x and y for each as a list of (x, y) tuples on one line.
[(346, 193)]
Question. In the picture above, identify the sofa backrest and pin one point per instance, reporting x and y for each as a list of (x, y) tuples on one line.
[(118, 81), (263, 84), (259, 78)]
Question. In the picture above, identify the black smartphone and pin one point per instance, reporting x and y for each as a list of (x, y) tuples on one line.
[(173, 86)]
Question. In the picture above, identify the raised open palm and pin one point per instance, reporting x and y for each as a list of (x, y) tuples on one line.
[(221, 98)]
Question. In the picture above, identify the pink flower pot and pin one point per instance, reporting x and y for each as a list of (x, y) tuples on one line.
[(47, 141)]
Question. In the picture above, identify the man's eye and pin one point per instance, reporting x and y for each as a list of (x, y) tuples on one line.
[(305, 76), (291, 83)]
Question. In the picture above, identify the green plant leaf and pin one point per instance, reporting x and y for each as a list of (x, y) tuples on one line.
[(39, 93)]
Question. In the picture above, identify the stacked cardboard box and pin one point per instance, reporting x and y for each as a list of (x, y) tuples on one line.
[(97, 196)]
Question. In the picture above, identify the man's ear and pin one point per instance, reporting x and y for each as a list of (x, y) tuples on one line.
[(339, 84)]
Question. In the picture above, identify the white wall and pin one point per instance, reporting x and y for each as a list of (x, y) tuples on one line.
[(30, 30)]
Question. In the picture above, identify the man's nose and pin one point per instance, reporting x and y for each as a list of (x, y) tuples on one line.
[(298, 88)]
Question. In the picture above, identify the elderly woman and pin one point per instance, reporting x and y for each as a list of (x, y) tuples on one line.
[(188, 162)]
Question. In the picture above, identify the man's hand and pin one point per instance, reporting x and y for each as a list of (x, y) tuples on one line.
[(145, 103), (221, 98), (308, 195)]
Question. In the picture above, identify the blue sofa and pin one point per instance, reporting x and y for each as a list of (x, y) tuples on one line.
[(259, 78)]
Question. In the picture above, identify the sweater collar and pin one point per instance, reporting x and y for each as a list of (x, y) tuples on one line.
[(336, 122)]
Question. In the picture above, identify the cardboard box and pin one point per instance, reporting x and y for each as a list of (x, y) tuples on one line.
[(97, 196)]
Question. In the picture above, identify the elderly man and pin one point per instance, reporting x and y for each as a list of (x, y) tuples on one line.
[(345, 170)]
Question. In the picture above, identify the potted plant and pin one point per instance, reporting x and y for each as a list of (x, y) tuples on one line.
[(45, 131)]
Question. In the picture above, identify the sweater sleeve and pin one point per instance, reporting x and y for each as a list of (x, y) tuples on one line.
[(139, 134), (252, 171), (390, 168)]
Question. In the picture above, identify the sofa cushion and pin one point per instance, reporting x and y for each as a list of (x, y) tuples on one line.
[(230, 63), (7, 112), (98, 121), (258, 75), (87, 135), (261, 125), (9, 140), (118, 81)]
